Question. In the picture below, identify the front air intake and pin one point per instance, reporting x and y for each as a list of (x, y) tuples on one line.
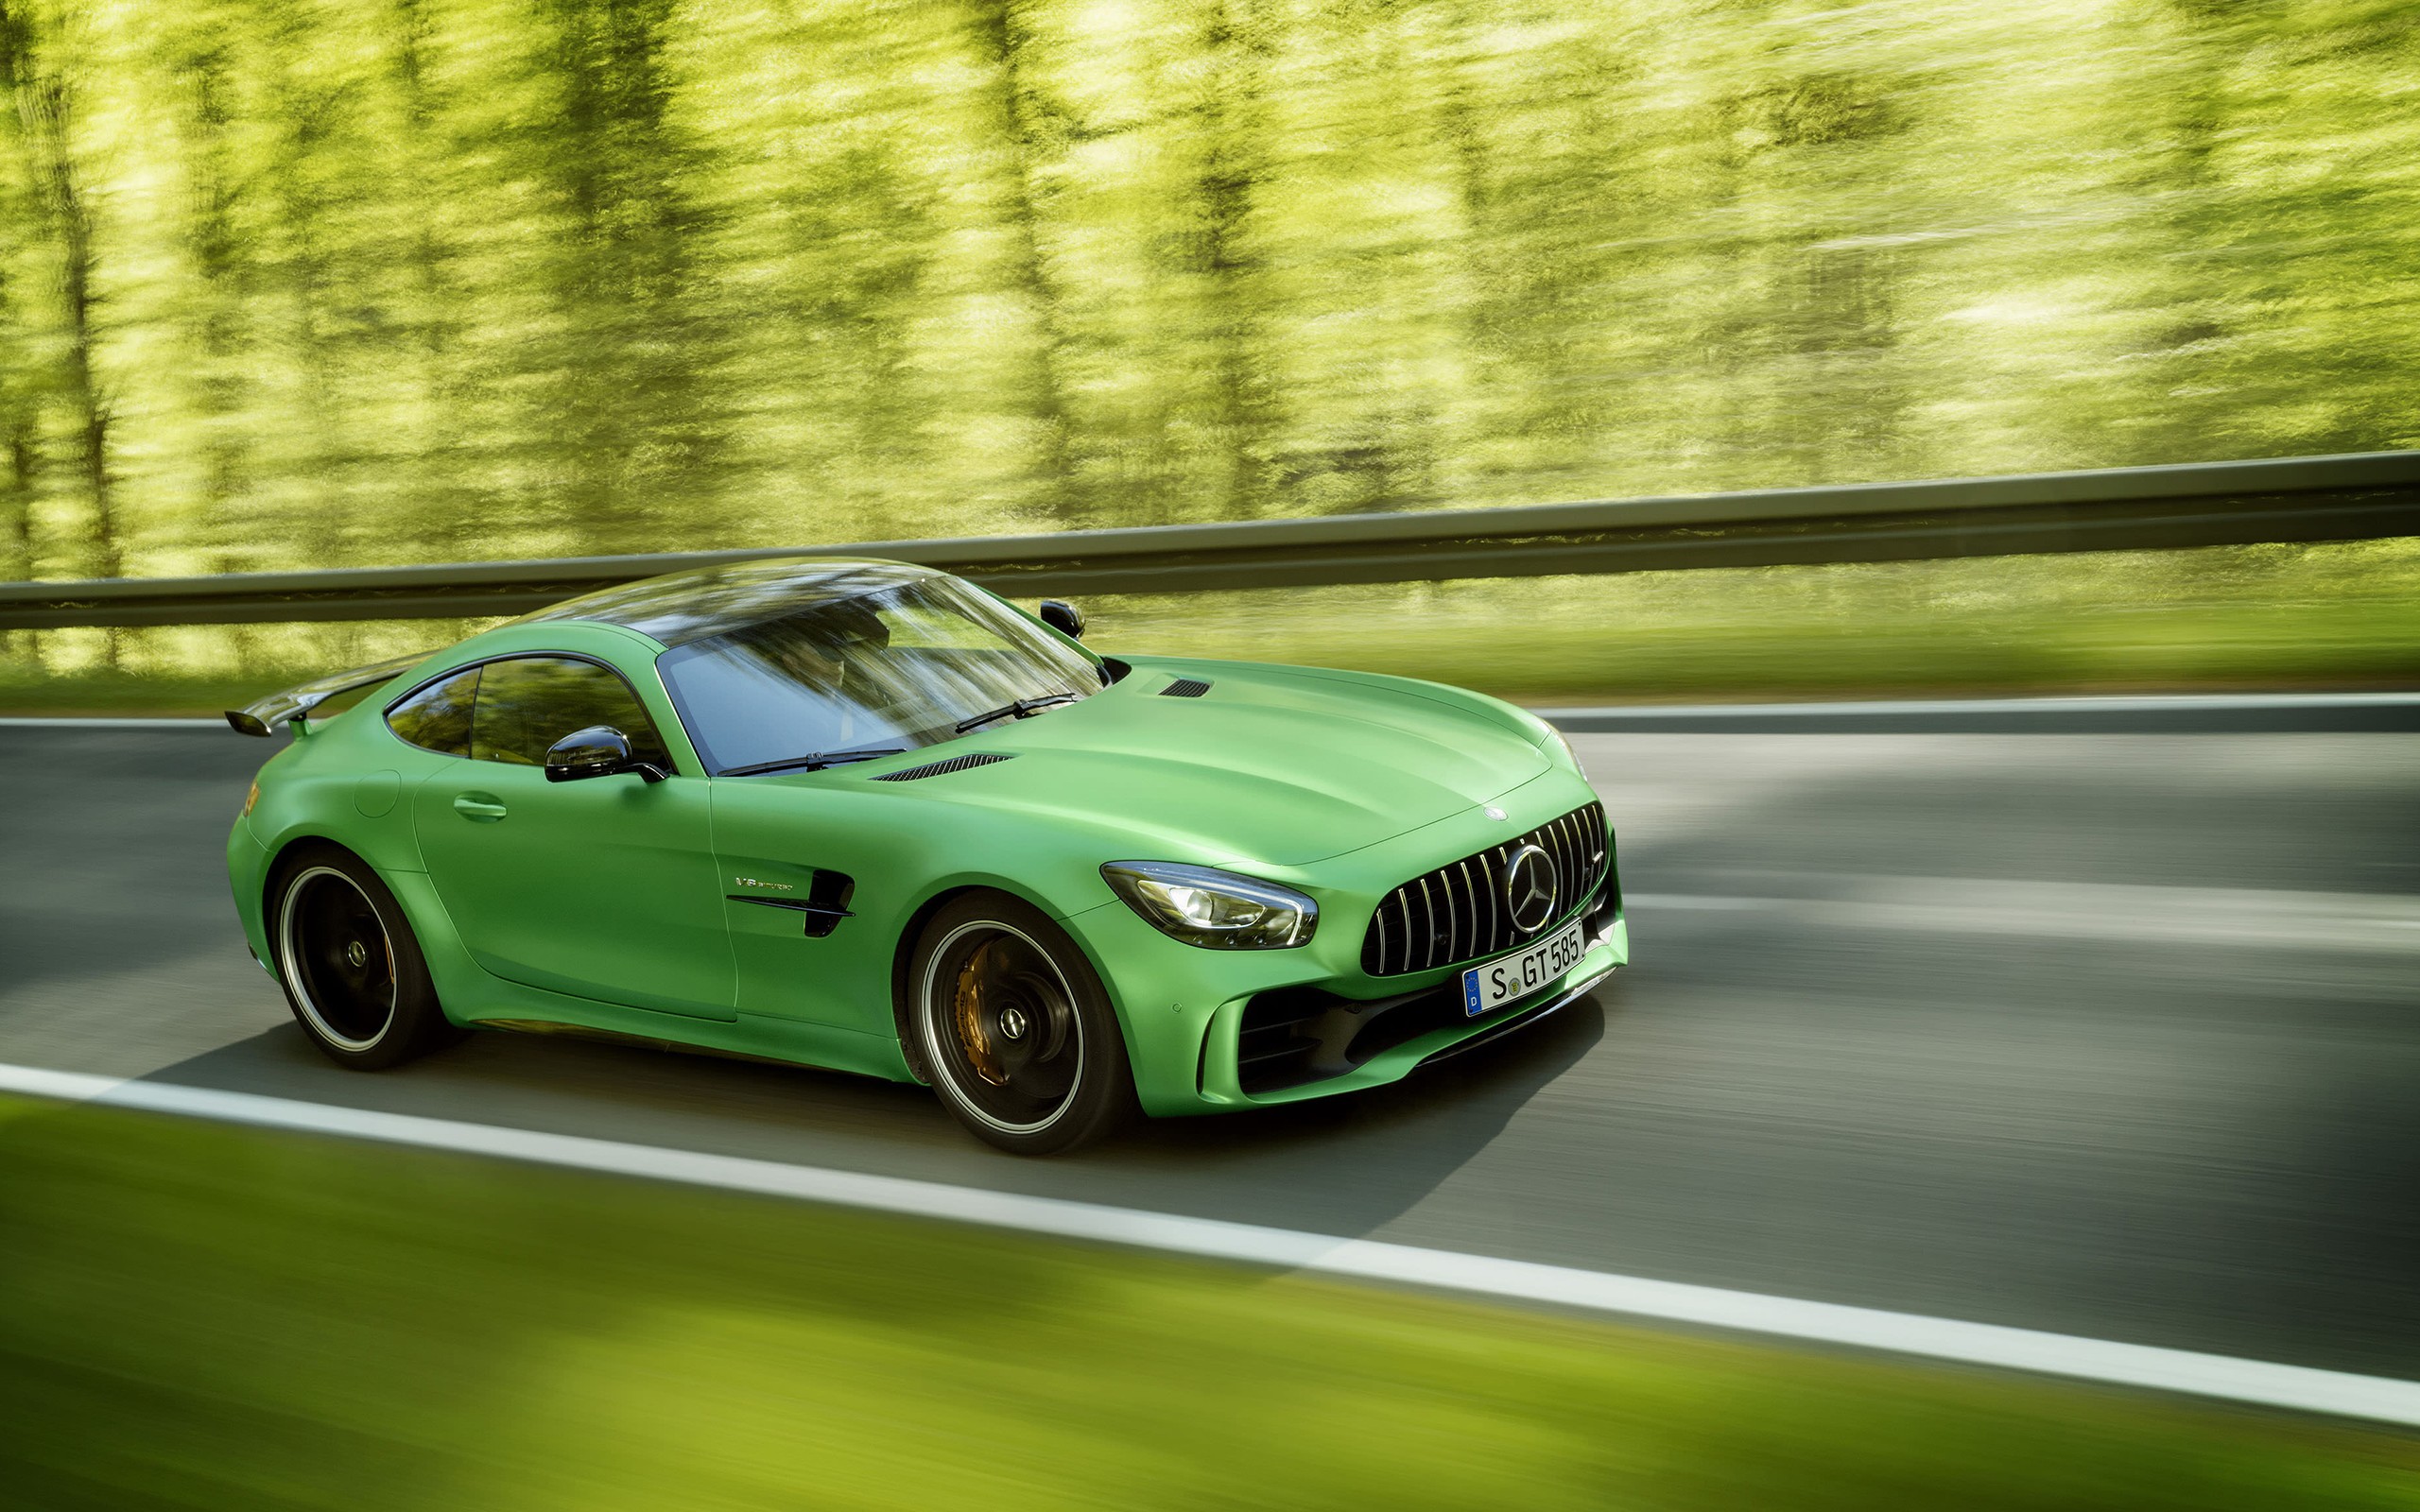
[(1185, 688), (941, 768)]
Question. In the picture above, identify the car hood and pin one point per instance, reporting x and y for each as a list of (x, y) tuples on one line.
[(1276, 764)]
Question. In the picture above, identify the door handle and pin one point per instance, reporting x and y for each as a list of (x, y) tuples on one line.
[(479, 808)]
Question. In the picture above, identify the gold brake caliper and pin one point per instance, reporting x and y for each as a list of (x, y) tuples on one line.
[(966, 1009)]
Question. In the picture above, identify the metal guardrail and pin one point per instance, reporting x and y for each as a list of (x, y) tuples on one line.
[(2357, 496)]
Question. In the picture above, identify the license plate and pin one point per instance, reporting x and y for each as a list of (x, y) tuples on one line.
[(1499, 981)]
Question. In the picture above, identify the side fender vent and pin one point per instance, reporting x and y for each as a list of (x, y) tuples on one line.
[(941, 768), (826, 902), (1185, 688)]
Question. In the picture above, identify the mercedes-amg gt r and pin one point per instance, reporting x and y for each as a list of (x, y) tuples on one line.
[(866, 815)]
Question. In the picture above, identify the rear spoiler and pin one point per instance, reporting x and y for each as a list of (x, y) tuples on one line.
[(257, 717)]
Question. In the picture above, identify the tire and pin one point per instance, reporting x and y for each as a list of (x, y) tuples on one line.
[(1012, 1025), (352, 971)]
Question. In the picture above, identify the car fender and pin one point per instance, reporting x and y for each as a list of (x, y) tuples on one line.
[(346, 780), (902, 852)]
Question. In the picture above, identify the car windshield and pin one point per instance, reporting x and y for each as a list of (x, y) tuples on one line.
[(902, 667)]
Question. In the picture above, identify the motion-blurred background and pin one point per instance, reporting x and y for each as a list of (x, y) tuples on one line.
[(2102, 1030), (292, 284)]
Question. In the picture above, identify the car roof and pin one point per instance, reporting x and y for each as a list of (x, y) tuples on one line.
[(682, 607)]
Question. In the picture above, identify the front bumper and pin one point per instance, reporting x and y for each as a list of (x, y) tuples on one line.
[(1186, 1010), (1293, 1043)]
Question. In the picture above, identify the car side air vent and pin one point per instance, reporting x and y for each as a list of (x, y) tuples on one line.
[(1185, 688), (942, 768)]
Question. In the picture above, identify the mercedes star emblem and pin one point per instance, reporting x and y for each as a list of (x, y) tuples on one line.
[(1012, 1023), (1493, 813), (1530, 887)]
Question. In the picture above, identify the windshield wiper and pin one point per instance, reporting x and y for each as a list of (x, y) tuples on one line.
[(1020, 708), (811, 762)]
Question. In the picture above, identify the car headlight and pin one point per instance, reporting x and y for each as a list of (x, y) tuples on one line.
[(1217, 910)]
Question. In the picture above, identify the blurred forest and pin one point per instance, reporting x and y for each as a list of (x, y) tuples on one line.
[(290, 283)]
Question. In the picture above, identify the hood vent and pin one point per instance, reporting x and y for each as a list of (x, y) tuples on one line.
[(942, 768), (1185, 688)]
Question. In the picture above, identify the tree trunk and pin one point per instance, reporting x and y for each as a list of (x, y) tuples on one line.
[(1227, 120), (44, 109), (1001, 31), (17, 432)]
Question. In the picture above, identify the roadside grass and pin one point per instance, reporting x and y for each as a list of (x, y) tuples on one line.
[(2252, 618), (2334, 615), (202, 1317)]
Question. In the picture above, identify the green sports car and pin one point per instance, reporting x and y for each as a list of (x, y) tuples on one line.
[(866, 815)]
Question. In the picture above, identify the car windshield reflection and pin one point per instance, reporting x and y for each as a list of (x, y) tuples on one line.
[(903, 665)]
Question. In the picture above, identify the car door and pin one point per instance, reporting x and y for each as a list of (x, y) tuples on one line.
[(604, 889)]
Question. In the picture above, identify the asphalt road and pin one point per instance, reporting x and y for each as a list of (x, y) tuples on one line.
[(2106, 1034)]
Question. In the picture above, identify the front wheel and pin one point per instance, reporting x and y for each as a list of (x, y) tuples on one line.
[(1014, 1026), (351, 969)]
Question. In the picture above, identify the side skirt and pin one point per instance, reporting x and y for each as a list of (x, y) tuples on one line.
[(751, 1036)]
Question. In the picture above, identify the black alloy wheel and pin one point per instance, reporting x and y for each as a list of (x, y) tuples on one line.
[(351, 969), (1016, 1033)]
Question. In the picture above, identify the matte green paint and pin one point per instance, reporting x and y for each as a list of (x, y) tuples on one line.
[(602, 904)]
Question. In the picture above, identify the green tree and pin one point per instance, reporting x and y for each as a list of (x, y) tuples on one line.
[(300, 283)]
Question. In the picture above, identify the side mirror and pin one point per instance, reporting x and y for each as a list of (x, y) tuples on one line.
[(601, 751), (1064, 617)]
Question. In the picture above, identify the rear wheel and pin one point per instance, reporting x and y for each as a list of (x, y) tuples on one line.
[(1015, 1028), (353, 972)]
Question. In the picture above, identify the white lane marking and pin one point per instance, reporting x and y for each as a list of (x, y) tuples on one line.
[(2270, 920), (2095, 703), (107, 722), (2297, 1387)]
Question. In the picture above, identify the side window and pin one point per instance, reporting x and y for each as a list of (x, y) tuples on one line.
[(526, 704), (437, 717)]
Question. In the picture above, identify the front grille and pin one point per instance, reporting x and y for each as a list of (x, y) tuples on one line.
[(940, 768), (1456, 913)]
